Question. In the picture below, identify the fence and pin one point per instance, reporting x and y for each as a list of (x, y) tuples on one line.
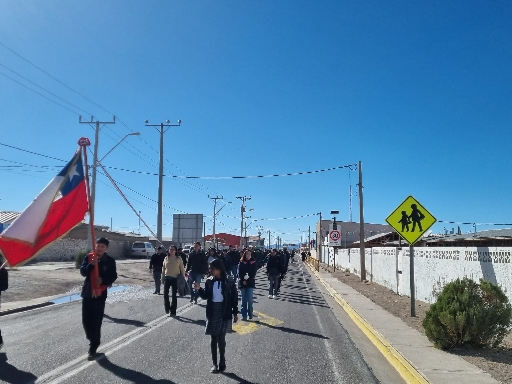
[(433, 267)]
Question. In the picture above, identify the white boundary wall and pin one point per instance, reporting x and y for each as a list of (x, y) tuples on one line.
[(433, 267)]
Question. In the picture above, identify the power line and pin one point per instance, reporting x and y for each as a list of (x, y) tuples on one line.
[(40, 94), (237, 177), (89, 100), (27, 151), (54, 78), (44, 89)]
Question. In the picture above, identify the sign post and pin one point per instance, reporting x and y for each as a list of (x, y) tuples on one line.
[(411, 227)]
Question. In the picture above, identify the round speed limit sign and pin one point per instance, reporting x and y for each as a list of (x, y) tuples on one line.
[(335, 235)]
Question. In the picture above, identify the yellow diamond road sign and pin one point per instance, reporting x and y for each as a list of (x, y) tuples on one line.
[(411, 220)]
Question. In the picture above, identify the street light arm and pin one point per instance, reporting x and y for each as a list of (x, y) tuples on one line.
[(120, 141)]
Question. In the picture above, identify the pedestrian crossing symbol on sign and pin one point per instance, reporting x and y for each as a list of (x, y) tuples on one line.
[(411, 220)]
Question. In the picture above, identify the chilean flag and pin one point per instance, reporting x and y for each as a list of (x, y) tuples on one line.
[(58, 208)]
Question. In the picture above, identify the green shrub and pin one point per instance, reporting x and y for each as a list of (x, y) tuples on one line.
[(80, 258), (467, 313)]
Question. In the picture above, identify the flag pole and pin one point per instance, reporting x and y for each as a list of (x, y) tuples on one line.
[(84, 143)]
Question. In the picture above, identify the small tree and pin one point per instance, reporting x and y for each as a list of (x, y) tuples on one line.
[(467, 313), (80, 258)]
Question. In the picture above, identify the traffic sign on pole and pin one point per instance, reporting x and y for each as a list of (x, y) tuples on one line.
[(334, 237), (411, 220)]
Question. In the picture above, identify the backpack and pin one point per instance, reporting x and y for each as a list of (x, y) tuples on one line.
[(4, 279)]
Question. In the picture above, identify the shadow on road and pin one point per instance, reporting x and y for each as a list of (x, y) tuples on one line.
[(291, 330), (316, 303), (136, 323), (129, 374), (10, 374), (237, 378), (131, 277), (190, 321)]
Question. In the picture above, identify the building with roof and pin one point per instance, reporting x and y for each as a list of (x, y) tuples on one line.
[(491, 238), (350, 231), (6, 219)]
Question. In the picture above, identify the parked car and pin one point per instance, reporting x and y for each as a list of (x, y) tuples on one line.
[(142, 249)]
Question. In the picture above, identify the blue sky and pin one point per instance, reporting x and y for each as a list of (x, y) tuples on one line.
[(420, 92)]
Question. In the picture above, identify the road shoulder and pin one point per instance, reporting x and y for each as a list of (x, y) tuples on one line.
[(434, 365)]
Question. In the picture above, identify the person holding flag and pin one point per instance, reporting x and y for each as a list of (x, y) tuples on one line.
[(100, 272)]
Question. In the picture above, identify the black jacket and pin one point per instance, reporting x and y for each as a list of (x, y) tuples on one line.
[(197, 263), (250, 268), (4, 280), (107, 271), (183, 256), (234, 256), (284, 263), (274, 265), (227, 262), (157, 261), (230, 293)]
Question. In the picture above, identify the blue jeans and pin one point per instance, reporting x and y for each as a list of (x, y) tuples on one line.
[(194, 278), (234, 270), (272, 284), (247, 299)]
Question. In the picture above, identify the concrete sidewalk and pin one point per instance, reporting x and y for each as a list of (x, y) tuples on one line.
[(433, 364)]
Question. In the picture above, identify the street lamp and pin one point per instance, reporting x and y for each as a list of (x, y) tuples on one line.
[(242, 211), (120, 141), (215, 212), (260, 231), (93, 189), (247, 226)]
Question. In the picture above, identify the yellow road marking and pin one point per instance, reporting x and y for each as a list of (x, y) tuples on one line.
[(395, 358), (265, 319), (246, 327)]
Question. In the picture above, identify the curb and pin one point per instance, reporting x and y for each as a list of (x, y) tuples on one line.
[(26, 308), (410, 374)]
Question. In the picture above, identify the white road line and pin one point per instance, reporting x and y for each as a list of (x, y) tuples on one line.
[(335, 370), (79, 364)]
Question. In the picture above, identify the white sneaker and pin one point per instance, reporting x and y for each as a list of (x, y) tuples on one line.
[(270, 296), (273, 296)]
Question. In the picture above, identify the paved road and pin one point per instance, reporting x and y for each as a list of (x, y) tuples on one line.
[(296, 338)]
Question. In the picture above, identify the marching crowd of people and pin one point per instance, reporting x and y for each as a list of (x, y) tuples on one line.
[(227, 272)]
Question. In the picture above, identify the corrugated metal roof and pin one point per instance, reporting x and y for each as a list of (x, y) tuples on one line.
[(8, 216), (505, 233)]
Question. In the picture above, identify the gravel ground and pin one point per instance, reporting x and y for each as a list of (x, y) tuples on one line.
[(32, 283), (496, 361)]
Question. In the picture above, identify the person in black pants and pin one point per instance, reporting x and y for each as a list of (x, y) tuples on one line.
[(284, 256), (221, 310), (155, 266), (172, 268), (234, 256), (93, 303), (197, 266)]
